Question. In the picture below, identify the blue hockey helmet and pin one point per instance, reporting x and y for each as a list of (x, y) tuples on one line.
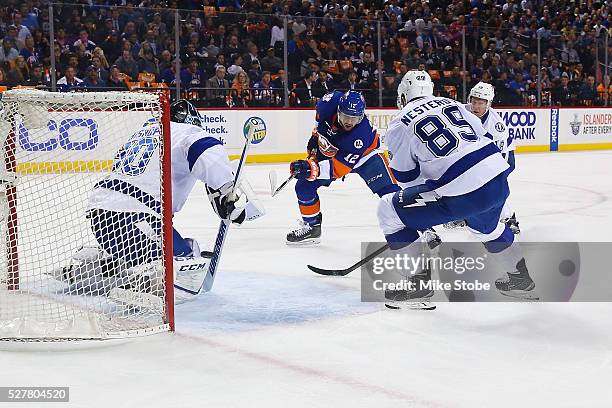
[(183, 111), (351, 109)]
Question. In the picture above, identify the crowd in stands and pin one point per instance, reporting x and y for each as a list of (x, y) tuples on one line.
[(232, 52)]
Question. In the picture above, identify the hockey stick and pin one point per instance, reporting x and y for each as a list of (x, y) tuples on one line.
[(275, 190), (211, 272), (344, 272), (273, 179)]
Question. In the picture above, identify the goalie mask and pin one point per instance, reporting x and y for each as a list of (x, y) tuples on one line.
[(183, 111)]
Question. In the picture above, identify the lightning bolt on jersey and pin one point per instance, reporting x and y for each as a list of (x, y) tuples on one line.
[(340, 151), (438, 142), (494, 125), (134, 183)]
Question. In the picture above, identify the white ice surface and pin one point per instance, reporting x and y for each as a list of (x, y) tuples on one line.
[(272, 334)]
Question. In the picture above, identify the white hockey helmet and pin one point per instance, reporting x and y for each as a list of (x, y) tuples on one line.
[(482, 90), (413, 85)]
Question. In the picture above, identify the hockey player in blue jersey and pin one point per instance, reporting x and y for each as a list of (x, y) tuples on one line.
[(449, 169), (342, 142)]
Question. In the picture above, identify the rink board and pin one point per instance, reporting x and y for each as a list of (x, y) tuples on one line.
[(533, 129), (282, 135)]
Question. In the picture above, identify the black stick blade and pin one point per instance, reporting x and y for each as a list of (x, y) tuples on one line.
[(329, 272)]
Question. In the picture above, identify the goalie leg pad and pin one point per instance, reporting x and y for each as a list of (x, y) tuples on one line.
[(131, 237), (189, 273)]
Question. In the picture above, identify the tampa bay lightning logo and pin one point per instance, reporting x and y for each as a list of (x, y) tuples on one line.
[(500, 127)]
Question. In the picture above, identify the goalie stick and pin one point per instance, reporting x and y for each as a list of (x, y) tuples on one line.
[(211, 272), (344, 272)]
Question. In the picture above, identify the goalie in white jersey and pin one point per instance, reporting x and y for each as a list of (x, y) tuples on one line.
[(125, 207), (449, 169), (479, 103)]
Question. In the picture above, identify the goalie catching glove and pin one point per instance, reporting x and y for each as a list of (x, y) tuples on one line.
[(236, 206)]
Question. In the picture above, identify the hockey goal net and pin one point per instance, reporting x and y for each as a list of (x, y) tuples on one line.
[(55, 148)]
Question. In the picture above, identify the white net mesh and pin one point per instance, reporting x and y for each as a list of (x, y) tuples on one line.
[(55, 148)]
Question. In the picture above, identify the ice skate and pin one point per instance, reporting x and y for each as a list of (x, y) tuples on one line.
[(517, 284), (307, 234)]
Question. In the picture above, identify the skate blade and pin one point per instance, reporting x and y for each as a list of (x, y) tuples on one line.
[(522, 294), (422, 305), (304, 243)]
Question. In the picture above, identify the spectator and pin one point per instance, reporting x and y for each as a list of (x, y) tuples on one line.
[(240, 91), (165, 62), (99, 53), (116, 80), (304, 90), (28, 52), (85, 42), (101, 72), (277, 33), (449, 59), (112, 46), (562, 94), (8, 51), (37, 78), (92, 80), (350, 84), (554, 72), (212, 49), (255, 72), (271, 62), (20, 74), (147, 62), (322, 85), (69, 81), (263, 94), (3, 81), (280, 86), (127, 65), (218, 88), (365, 70), (236, 66), (192, 76), (587, 93), (22, 31), (103, 31)]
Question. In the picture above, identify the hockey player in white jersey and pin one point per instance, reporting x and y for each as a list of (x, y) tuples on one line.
[(125, 207), (448, 169), (479, 103)]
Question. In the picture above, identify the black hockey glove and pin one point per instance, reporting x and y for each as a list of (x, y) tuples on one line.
[(226, 205)]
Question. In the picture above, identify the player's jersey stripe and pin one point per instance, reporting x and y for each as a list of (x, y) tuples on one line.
[(340, 169), (407, 176), (465, 163), (197, 148), (131, 190), (310, 210)]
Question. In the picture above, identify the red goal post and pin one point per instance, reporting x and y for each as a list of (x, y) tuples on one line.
[(55, 148)]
